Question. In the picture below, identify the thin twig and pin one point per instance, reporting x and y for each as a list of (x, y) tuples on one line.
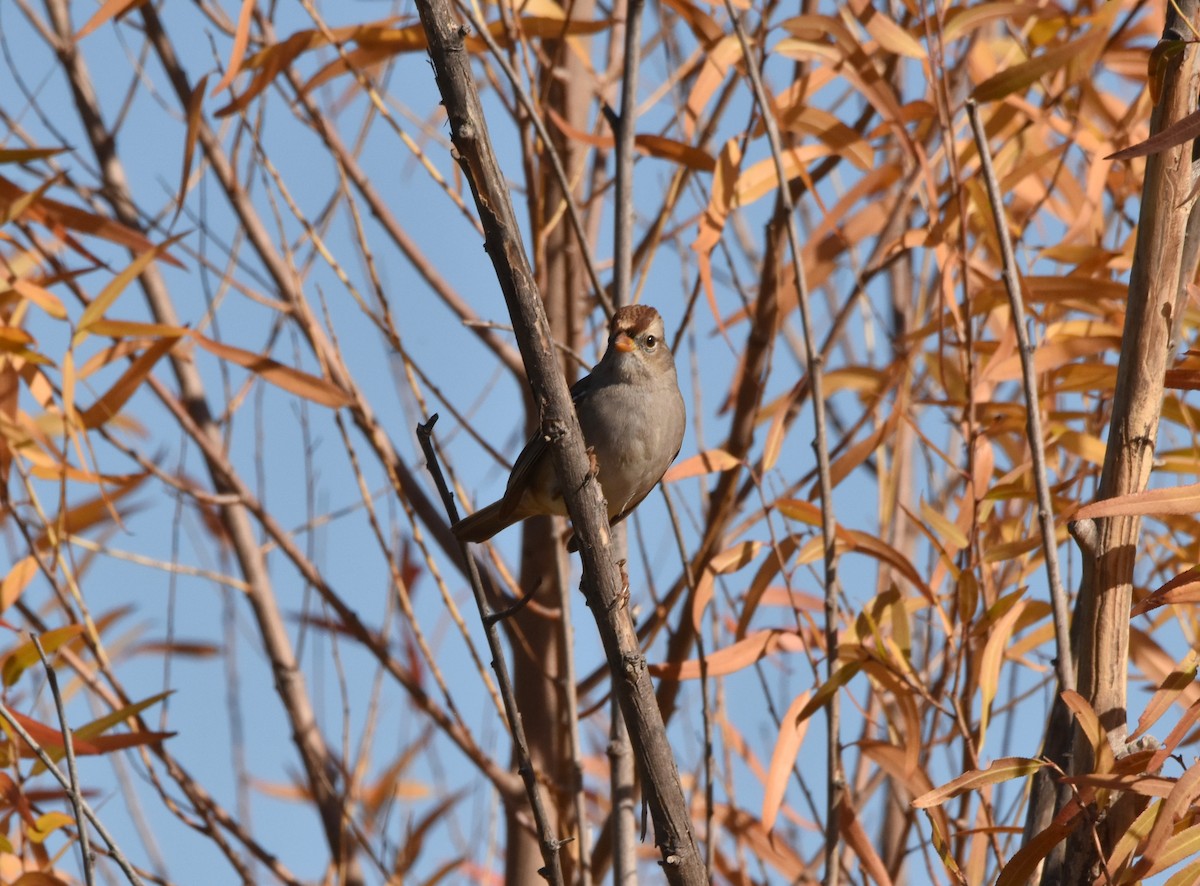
[(1063, 662), (114, 850), (710, 842), (547, 147), (549, 843), (85, 849), (624, 212), (571, 699), (835, 794)]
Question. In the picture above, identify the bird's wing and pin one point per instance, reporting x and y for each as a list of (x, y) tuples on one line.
[(534, 451)]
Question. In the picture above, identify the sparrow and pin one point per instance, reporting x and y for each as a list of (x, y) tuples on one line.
[(632, 416)]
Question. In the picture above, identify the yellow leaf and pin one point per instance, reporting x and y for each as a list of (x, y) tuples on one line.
[(25, 655), (47, 824), (951, 536), (17, 579), (1023, 75), (24, 155), (1010, 550), (43, 298), (104, 300)]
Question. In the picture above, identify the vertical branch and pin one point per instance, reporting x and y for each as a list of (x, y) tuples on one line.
[(1154, 300), (571, 703), (836, 785), (623, 774), (624, 213)]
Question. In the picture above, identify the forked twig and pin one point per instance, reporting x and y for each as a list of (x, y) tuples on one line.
[(549, 843)]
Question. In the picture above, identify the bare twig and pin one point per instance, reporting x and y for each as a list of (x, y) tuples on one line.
[(836, 787), (571, 702), (122, 862), (549, 843), (73, 791), (1064, 662), (625, 126)]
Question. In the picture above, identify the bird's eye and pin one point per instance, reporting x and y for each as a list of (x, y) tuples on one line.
[(651, 342)]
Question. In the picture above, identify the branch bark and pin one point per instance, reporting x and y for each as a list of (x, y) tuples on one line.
[(601, 582), (1155, 287)]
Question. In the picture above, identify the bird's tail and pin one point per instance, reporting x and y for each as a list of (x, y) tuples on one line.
[(485, 523)]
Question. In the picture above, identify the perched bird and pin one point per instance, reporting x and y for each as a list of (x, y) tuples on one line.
[(632, 417)]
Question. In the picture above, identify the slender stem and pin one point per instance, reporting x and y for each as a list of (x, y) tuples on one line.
[(549, 842), (1064, 664), (85, 849), (571, 700), (625, 128), (836, 779), (114, 850)]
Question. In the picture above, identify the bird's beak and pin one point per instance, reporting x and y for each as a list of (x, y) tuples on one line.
[(624, 343)]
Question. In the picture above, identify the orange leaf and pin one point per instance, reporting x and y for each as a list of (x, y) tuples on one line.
[(707, 462), (1186, 789), (51, 213), (783, 758), (46, 736), (1156, 502), (318, 390), (890, 36), (762, 580), (732, 658), (241, 37), (991, 660), (17, 580), (195, 109), (676, 151), (1004, 769), (734, 558), (1085, 716), (114, 399), (85, 515), (857, 839), (111, 9), (1168, 692)]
